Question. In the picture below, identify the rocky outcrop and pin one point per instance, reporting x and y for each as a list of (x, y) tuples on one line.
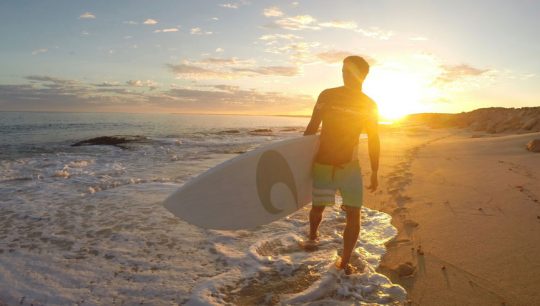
[(261, 132), (116, 141), (492, 120)]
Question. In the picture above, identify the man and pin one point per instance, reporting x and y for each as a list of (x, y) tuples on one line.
[(344, 112)]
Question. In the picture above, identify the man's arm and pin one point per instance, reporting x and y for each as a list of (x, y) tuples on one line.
[(374, 147), (316, 118)]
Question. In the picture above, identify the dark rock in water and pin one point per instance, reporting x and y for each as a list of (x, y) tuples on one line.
[(534, 145), (290, 129), (229, 132), (261, 132), (116, 141)]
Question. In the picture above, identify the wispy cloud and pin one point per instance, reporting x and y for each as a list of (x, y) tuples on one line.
[(131, 22), (452, 73), (273, 11), (271, 70), (339, 24), (274, 37), (150, 21), (230, 5), (296, 23), (377, 33), (307, 22), (169, 30), (56, 94), (40, 50), (199, 31), (333, 56), (189, 71), (337, 56), (227, 68), (143, 83), (87, 15), (226, 98)]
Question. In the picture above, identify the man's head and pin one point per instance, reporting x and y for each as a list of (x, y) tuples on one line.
[(355, 70)]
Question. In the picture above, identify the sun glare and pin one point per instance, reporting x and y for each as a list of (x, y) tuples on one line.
[(399, 91)]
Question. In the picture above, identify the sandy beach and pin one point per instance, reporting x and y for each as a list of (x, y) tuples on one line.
[(467, 208)]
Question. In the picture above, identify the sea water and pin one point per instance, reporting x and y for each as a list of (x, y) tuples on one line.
[(85, 226)]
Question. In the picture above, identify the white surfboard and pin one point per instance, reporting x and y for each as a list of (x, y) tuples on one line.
[(252, 189)]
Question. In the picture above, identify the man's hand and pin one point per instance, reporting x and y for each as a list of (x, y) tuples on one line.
[(374, 182)]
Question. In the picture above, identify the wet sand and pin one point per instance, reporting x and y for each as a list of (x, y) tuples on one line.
[(467, 207)]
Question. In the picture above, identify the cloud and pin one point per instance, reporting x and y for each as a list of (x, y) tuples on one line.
[(227, 68), (336, 56), (230, 5), (296, 23), (230, 99), (143, 83), (150, 21), (221, 61), (271, 70), (274, 37), (339, 24), (107, 84), (452, 73), (219, 50), (38, 51), (47, 93), (199, 31), (273, 11), (333, 57), (418, 38), (298, 51), (377, 33), (188, 71), (235, 5), (307, 22), (87, 15), (169, 30), (131, 22)]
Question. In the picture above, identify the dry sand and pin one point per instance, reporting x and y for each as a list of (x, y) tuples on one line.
[(467, 207)]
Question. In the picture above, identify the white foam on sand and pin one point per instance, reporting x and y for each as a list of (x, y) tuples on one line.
[(87, 227), (275, 269)]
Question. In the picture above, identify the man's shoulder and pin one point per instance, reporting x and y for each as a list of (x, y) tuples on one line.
[(370, 103), (333, 90)]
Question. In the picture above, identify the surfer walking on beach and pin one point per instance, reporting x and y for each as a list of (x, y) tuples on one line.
[(344, 113)]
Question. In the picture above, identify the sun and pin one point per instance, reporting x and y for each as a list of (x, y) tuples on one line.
[(399, 91)]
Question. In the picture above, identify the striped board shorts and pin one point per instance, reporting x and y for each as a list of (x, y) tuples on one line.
[(347, 178)]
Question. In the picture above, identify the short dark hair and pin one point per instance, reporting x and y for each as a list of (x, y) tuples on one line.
[(359, 62)]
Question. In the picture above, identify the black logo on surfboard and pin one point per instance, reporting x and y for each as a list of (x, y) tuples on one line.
[(272, 169)]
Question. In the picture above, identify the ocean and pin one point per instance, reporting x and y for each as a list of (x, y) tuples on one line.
[(84, 225)]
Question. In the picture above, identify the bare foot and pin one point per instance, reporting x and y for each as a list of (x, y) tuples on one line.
[(309, 245), (347, 268)]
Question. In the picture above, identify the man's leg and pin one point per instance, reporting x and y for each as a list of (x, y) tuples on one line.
[(315, 218), (350, 234)]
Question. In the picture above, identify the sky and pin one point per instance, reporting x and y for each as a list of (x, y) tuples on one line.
[(265, 57)]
